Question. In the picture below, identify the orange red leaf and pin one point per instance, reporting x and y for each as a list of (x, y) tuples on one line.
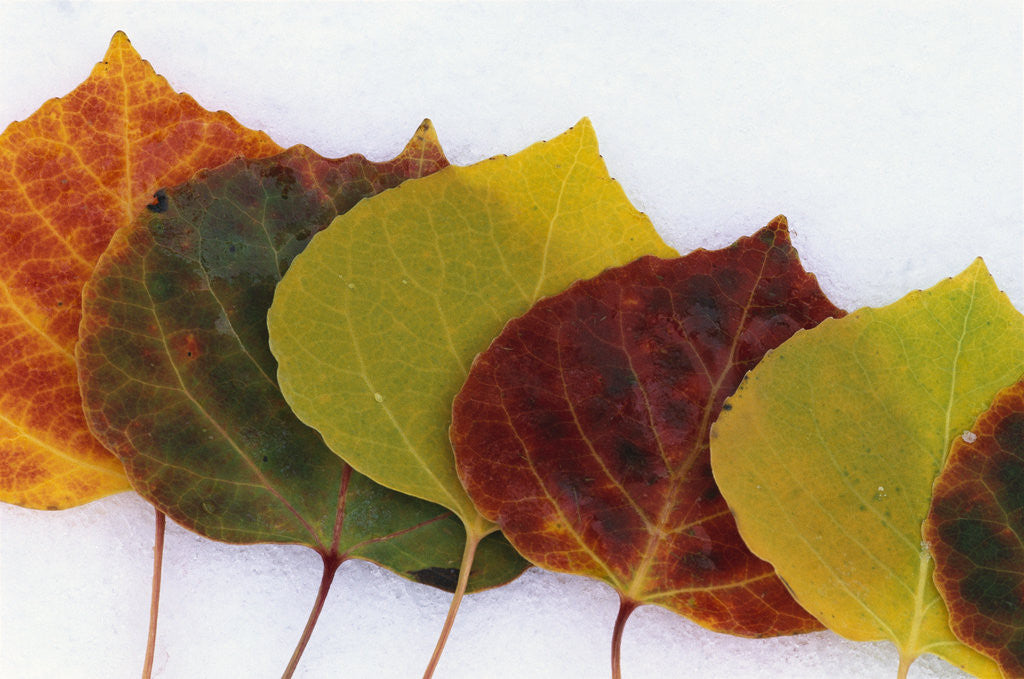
[(71, 174)]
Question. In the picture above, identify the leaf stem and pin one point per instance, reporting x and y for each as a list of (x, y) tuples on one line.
[(905, 662), (473, 539), (331, 563), (626, 607), (154, 597)]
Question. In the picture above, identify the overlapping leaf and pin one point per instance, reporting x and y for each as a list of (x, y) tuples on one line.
[(378, 320), (178, 380), (70, 175), (583, 429), (828, 452), (975, 531)]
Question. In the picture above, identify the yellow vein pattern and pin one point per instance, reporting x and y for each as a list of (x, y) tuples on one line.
[(375, 325), (829, 451)]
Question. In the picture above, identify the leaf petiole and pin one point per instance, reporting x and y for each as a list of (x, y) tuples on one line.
[(331, 563), (626, 607), (154, 601), (473, 538), (905, 662)]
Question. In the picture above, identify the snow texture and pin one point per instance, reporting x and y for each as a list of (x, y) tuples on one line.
[(889, 133)]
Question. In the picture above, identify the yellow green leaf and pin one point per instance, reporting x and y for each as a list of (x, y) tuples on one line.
[(377, 321), (828, 451)]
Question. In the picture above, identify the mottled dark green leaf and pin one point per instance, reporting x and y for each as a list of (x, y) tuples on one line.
[(178, 380)]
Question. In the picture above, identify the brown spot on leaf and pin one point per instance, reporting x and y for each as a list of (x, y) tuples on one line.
[(442, 578)]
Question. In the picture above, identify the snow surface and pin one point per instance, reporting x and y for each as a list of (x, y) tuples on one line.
[(889, 134)]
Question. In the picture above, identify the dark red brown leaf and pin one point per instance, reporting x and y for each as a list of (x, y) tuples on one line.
[(583, 429), (975, 531)]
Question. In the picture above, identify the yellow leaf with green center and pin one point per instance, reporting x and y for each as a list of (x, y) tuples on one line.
[(828, 451), (377, 321)]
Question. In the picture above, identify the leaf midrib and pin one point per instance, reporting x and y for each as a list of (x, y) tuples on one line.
[(677, 475), (925, 565)]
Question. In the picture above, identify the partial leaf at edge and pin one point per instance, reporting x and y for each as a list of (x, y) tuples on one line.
[(828, 451), (975, 531)]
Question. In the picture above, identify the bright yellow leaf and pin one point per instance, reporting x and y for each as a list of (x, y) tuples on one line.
[(377, 321), (828, 451)]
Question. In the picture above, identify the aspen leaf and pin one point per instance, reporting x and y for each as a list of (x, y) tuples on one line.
[(583, 429), (828, 451), (975, 531), (177, 378), (376, 323), (71, 174)]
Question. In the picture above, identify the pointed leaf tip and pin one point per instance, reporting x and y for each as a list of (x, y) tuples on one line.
[(978, 267), (583, 130), (586, 130), (776, 232), (426, 131), (119, 43), (425, 142)]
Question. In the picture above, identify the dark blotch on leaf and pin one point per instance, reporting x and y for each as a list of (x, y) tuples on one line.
[(711, 494), (702, 293), (284, 176), (1010, 434), (994, 593), (159, 203), (632, 457), (442, 578), (673, 360), (1010, 473), (975, 537), (618, 381), (699, 561)]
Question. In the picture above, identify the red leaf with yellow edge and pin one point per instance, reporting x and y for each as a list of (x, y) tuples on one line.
[(975, 532), (583, 429), (72, 174)]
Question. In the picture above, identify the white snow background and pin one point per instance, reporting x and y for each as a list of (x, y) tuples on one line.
[(889, 133)]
